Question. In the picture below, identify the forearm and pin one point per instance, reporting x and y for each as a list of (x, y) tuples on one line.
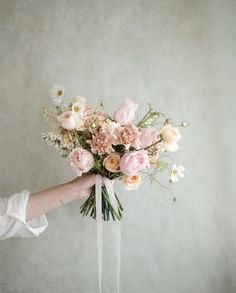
[(49, 199)]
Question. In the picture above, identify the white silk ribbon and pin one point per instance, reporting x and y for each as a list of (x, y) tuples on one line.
[(98, 194), (117, 229)]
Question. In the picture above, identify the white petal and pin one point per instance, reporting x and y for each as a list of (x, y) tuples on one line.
[(181, 175), (172, 147), (174, 167), (174, 178), (180, 169)]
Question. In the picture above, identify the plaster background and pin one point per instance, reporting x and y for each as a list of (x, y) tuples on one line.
[(178, 55)]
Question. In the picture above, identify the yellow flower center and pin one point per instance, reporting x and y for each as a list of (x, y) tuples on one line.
[(174, 172), (76, 108), (59, 93)]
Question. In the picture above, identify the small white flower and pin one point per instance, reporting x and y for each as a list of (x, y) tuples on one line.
[(168, 147), (57, 93), (78, 107), (176, 173), (171, 147)]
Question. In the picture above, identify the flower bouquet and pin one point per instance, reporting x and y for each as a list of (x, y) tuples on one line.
[(112, 145)]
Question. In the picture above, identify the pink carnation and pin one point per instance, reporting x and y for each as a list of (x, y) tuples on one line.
[(95, 121), (82, 160), (101, 143), (129, 135)]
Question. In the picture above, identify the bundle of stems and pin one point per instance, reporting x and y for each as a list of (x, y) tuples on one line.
[(108, 211)]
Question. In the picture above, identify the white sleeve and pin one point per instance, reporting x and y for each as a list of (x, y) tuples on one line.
[(13, 218)]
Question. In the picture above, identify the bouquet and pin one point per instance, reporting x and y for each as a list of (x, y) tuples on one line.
[(113, 146)]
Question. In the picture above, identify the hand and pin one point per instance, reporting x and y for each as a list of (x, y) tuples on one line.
[(49, 199), (84, 184)]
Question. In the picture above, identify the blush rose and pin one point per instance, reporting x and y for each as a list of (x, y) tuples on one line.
[(82, 160), (148, 136), (131, 163)]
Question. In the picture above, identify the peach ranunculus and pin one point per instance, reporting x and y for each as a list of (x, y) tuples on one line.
[(148, 136), (170, 134), (112, 162), (125, 113), (67, 120), (82, 160), (101, 143), (131, 182), (131, 163), (129, 136)]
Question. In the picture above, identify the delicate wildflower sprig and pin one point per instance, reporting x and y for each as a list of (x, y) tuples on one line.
[(56, 140), (149, 118)]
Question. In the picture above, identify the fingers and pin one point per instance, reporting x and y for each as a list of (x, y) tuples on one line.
[(88, 180), (84, 182)]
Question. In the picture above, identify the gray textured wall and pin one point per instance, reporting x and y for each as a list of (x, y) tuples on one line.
[(180, 55)]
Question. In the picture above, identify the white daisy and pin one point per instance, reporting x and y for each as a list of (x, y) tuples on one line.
[(176, 173), (57, 93), (78, 107)]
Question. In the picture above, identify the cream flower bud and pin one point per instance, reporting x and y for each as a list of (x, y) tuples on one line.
[(170, 134)]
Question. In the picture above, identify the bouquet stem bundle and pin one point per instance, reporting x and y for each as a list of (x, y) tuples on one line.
[(108, 211)]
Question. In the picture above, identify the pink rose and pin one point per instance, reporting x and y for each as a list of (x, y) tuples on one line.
[(67, 120), (82, 160), (148, 136), (125, 113), (133, 162)]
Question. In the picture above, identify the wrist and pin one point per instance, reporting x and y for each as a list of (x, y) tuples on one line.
[(70, 194)]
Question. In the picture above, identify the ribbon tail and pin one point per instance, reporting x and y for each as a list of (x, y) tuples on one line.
[(98, 195), (117, 226), (118, 253)]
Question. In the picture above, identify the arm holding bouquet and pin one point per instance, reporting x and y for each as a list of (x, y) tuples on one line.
[(23, 214), (49, 199)]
